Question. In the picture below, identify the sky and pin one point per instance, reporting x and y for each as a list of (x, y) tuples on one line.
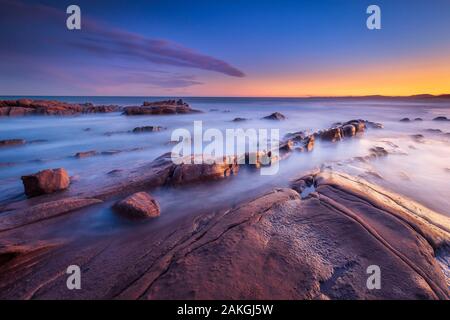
[(224, 48)]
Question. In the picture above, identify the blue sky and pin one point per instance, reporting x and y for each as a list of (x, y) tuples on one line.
[(224, 48)]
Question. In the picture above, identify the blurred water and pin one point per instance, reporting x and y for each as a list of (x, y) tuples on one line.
[(420, 170)]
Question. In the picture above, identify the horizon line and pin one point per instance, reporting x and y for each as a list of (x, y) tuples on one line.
[(420, 95)]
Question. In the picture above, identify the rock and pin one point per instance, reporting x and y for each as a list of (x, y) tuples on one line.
[(305, 144), (115, 172), (434, 130), (309, 143), (46, 181), (418, 119), (331, 135), (110, 152), (296, 136), (374, 125), (377, 152), (418, 137), (43, 211), (137, 206), (287, 146), (360, 125), (85, 154), (191, 172), (11, 142), (275, 116), (441, 118), (349, 130), (265, 248), (160, 107), (24, 107), (405, 120), (147, 129), (239, 119)]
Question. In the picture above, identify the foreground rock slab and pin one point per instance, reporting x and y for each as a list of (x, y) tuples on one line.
[(281, 246), (286, 244), (18, 218)]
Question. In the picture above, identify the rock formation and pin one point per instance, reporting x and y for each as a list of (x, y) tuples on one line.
[(24, 107), (160, 108), (46, 181)]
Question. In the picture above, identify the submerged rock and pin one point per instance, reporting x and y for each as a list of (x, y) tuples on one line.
[(147, 129), (434, 130), (275, 116), (137, 206), (377, 152), (405, 120), (11, 142), (85, 154), (441, 118), (46, 181), (239, 119), (418, 137)]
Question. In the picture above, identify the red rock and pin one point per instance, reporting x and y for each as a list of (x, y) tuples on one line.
[(46, 181), (23, 107), (190, 172), (137, 206), (43, 211), (160, 107)]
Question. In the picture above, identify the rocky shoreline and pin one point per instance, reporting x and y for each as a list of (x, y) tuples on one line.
[(27, 107), (313, 239)]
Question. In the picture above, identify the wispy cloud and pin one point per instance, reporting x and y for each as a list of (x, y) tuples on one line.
[(37, 33)]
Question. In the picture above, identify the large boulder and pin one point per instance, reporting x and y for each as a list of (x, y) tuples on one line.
[(46, 181), (137, 206)]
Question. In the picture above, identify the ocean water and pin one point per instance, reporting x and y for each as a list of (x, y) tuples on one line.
[(417, 169)]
